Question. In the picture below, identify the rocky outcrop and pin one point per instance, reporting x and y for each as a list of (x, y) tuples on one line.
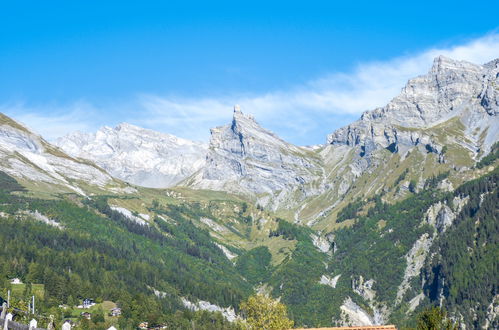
[(441, 216), (227, 312), (363, 288), (27, 156), (451, 89), (321, 243), (245, 158), (328, 280), (489, 97), (492, 320), (415, 259), (137, 155), (353, 315)]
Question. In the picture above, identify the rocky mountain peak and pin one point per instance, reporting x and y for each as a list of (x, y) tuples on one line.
[(443, 64), (244, 157), (450, 89), (138, 155)]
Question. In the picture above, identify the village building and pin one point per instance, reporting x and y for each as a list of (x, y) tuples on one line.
[(115, 312), (15, 281), (86, 315), (144, 325), (67, 325), (87, 303)]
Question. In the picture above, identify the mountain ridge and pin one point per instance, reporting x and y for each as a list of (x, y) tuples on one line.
[(366, 229), (137, 155)]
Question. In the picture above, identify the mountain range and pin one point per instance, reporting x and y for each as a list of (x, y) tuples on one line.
[(359, 230)]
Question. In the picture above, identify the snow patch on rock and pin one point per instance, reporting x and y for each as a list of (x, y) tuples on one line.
[(26, 155)]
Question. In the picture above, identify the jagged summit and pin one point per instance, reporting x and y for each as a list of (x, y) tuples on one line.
[(454, 106), (138, 155), (450, 89), (244, 157)]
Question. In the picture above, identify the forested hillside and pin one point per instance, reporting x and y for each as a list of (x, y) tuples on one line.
[(88, 249), (98, 253), (464, 272)]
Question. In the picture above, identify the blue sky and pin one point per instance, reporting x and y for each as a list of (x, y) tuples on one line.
[(302, 68)]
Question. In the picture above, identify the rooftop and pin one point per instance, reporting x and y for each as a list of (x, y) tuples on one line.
[(362, 327)]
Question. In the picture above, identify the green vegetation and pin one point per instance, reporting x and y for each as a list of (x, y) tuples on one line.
[(365, 249), (265, 313), (99, 253), (412, 186), (291, 231), (254, 265), (490, 158), (20, 291), (9, 184), (296, 281), (401, 177), (435, 318), (468, 254), (350, 211)]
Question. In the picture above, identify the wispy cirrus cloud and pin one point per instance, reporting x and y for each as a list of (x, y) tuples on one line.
[(52, 121), (306, 113), (303, 114)]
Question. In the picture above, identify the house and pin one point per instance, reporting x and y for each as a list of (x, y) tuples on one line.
[(15, 281), (144, 325), (86, 315), (111, 328), (115, 312), (67, 325), (87, 303)]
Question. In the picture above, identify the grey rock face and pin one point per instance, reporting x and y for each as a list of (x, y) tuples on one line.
[(27, 156), (489, 97), (245, 158), (138, 155), (450, 89)]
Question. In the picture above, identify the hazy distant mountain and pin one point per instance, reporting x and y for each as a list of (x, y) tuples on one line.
[(137, 155)]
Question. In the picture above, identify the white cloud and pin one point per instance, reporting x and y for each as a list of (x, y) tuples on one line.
[(302, 110), (304, 114), (53, 122)]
